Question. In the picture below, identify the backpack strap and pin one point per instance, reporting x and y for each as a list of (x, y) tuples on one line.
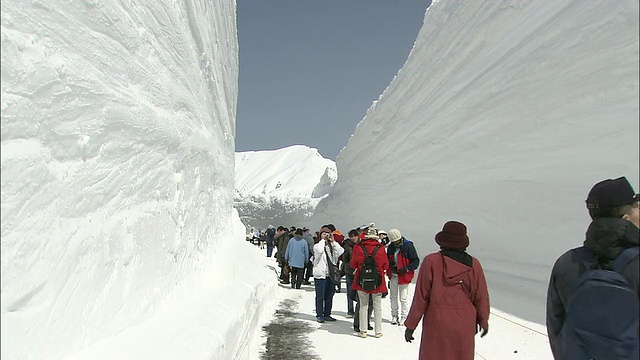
[(366, 253), (375, 250), (624, 258)]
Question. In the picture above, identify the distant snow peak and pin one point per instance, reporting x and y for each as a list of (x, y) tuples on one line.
[(281, 186)]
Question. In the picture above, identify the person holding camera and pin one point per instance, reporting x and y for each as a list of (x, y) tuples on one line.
[(327, 249)]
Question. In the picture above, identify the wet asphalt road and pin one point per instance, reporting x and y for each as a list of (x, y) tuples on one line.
[(287, 337)]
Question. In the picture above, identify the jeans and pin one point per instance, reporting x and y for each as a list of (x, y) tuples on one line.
[(324, 296), (350, 300), (269, 248), (402, 291), (377, 310)]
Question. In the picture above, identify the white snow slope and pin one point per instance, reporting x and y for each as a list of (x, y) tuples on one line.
[(118, 126), (281, 187), (503, 117)]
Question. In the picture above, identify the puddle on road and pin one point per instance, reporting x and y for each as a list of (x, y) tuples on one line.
[(287, 337)]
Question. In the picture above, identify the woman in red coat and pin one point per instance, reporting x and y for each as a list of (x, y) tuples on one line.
[(370, 243), (451, 298)]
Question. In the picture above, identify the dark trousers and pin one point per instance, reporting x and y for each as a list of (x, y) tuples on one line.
[(350, 299), (308, 271), (324, 296), (297, 274), (269, 248), (285, 273), (356, 316)]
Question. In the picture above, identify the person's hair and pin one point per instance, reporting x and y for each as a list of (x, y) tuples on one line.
[(331, 227), (299, 232), (614, 212), (353, 232), (281, 228)]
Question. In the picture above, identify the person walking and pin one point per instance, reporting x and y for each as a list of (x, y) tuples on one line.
[(451, 298), (325, 250), (270, 234), (403, 261), (370, 246), (282, 239), (309, 268), (609, 312), (297, 256)]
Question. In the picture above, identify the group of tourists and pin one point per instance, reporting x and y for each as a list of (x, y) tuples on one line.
[(592, 301), (378, 264)]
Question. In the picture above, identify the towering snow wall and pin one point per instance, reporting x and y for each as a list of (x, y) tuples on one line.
[(118, 123), (503, 117)]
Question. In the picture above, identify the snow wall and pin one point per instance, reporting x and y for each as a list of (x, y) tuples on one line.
[(118, 126)]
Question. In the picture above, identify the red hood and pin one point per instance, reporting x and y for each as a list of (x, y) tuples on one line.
[(454, 271)]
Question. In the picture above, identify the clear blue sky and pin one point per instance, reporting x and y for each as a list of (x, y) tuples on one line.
[(310, 69)]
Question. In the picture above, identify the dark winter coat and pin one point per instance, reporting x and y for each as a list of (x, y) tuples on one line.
[(348, 244), (407, 258), (282, 240), (451, 299), (382, 263), (606, 238)]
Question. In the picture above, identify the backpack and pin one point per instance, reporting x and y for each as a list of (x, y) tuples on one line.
[(369, 278), (602, 312)]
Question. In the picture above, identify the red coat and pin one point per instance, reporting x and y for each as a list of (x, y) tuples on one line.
[(451, 299), (382, 263)]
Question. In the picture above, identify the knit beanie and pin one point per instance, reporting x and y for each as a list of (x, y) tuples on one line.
[(394, 235), (453, 236)]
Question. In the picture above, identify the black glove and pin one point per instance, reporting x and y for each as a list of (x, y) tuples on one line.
[(384, 294), (408, 335), (483, 331), (402, 271)]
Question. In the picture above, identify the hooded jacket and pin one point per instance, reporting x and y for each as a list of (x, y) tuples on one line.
[(407, 258), (297, 253), (606, 238), (451, 299)]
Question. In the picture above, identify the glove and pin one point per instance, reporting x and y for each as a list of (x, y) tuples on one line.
[(408, 335), (384, 294), (402, 271), (482, 331)]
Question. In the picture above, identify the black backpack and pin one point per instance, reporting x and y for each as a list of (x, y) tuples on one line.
[(369, 278)]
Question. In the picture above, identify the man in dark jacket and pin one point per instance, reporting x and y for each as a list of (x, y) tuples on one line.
[(613, 207), (282, 239)]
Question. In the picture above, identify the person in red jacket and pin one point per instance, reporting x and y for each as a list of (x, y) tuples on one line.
[(370, 242), (451, 298), (403, 261)]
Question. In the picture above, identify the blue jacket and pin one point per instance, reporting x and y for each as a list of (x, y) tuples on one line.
[(297, 253)]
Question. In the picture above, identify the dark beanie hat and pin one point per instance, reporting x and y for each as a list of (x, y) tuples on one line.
[(453, 236), (611, 193)]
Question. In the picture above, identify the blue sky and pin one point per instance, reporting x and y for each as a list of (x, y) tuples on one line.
[(309, 70)]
